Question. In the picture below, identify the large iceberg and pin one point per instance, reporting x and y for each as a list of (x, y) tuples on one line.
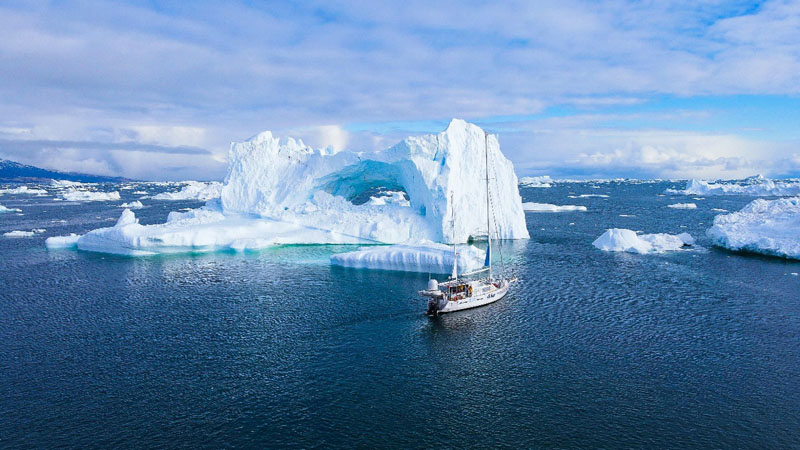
[(623, 240), (280, 191), (757, 186), (770, 227)]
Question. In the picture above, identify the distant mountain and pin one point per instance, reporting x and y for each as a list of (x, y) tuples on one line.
[(14, 171)]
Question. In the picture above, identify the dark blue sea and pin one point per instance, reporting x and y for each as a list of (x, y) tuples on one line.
[(698, 348)]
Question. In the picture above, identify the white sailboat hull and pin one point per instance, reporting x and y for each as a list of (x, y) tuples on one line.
[(475, 301)]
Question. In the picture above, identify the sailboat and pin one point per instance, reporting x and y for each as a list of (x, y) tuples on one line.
[(468, 290)]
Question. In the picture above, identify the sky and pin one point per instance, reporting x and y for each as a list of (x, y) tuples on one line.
[(643, 89)]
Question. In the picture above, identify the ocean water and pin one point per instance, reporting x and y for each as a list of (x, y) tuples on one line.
[(698, 348)]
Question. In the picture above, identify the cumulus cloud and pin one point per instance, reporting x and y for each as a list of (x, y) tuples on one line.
[(202, 76)]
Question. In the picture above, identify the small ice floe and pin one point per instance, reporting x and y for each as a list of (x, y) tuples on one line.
[(136, 204), (627, 215), (193, 190), (623, 240), (62, 241), (139, 193), (698, 198), (75, 195), (20, 233), (683, 206), (3, 209), (719, 210), (546, 207), (794, 274), (536, 182), (23, 190), (427, 257), (771, 227), (590, 196)]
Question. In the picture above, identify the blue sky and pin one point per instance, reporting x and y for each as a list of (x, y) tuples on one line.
[(158, 90)]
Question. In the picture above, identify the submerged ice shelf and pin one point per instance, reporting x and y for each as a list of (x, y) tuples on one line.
[(279, 191)]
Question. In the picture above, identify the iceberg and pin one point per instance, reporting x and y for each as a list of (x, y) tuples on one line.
[(623, 240), (279, 191), (23, 190), (757, 186), (3, 209), (427, 257), (683, 206), (770, 227), (546, 207), (74, 195), (536, 182), (136, 204), (193, 190)]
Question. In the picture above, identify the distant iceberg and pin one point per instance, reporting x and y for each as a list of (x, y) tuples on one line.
[(623, 240), (546, 207), (536, 182), (683, 206), (771, 227), (21, 233), (279, 191), (3, 209), (756, 186), (427, 257), (136, 204), (193, 190), (23, 190), (75, 195)]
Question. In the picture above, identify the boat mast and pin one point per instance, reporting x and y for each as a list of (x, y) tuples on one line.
[(455, 253), (488, 215)]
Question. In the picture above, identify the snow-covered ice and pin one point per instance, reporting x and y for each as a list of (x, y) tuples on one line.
[(75, 195), (193, 190), (536, 182), (136, 204), (23, 190), (624, 240), (683, 206), (279, 191), (428, 257), (21, 233), (62, 241), (770, 227), (757, 186), (3, 209), (546, 207)]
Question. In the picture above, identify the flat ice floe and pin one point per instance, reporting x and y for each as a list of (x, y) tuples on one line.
[(21, 233), (757, 186), (428, 257), (75, 195), (683, 206), (546, 207), (279, 191), (193, 190), (23, 190), (536, 182), (588, 196), (770, 227), (623, 240), (3, 209)]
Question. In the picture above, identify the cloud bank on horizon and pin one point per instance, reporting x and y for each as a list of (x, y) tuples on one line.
[(579, 89)]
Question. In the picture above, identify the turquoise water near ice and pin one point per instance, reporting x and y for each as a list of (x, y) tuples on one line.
[(697, 348)]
